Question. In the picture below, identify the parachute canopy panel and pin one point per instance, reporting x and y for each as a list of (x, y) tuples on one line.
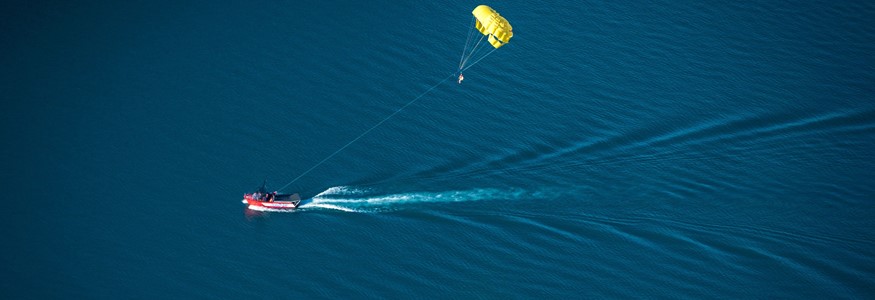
[(491, 24)]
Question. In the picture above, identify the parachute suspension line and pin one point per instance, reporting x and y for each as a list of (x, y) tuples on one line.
[(482, 52), (366, 132), (467, 41), (477, 61), (477, 45), (476, 53)]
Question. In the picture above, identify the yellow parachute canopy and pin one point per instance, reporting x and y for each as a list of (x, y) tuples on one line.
[(491, 24)]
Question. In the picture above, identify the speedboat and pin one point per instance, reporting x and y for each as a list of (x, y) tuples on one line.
[(262, 200)]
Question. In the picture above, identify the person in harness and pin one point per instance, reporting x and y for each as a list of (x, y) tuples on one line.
[(271, 197), (461, 77)]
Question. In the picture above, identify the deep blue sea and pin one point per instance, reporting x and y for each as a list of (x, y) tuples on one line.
[(614, 149)]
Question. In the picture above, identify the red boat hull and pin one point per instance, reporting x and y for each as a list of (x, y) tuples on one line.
[(269, 205)]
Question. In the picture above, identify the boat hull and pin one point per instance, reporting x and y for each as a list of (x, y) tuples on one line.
[(270, 205)]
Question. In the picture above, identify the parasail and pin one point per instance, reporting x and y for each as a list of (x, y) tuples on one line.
[(493, 27)]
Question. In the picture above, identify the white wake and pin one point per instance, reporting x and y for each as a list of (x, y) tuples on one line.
[(352, 199)]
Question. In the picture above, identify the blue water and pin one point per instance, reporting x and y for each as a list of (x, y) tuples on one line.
[(617, 149)]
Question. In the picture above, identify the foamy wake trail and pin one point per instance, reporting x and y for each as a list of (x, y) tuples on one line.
[(353, 199), (326, 206), (342, 190)]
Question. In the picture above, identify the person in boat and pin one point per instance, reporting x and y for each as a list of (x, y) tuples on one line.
[(461, 77)]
